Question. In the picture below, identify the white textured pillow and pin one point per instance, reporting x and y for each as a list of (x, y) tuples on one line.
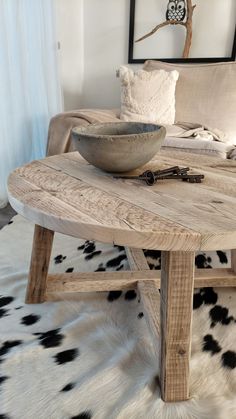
[(148, 96)]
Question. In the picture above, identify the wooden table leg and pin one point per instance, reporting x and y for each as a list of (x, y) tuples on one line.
[(233, 260), (40, 258), (177, 283)]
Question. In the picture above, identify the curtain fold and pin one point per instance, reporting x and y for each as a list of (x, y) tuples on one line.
[(30, 92)]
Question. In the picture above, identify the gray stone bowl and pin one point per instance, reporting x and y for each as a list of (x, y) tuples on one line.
[(118, 146)]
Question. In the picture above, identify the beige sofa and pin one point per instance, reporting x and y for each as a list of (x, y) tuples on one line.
[(205, 95)]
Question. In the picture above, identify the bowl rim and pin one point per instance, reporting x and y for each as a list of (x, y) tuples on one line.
[(78, 129)]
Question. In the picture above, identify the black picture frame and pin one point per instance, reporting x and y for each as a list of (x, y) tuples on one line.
[(132, 60)]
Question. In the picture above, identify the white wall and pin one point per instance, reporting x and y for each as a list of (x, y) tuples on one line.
[(106, 24), (69, 26), (93, 36), (94, 43)]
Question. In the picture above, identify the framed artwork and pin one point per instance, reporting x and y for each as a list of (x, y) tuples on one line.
[(182, 30)]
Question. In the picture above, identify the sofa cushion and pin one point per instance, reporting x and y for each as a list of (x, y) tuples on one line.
[(148, 97), (205, 93), (199, 146)]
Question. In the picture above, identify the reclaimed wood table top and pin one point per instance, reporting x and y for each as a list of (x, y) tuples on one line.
[(64, 193)]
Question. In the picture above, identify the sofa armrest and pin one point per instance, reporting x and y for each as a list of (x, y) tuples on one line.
[(60, 126)]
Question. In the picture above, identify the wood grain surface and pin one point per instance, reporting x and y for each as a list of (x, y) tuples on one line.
[(108, 281), (66, 194), (233, 260), (177, 278), (136, 258), (40, 258)]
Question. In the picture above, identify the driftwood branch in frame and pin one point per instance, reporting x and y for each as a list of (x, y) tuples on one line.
[(188, 24)]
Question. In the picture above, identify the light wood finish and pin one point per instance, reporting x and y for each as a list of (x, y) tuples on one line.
[(148, 290), (214, 278), (233, 260), (66, 194), (136, 259), (176, 321), (96, 281), (41, 252), (171, 215), (150, 298), (108, 281)]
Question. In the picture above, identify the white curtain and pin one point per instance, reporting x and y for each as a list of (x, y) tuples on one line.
[(30, 92)]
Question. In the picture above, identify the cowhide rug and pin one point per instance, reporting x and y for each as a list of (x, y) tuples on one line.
[(92, 356)]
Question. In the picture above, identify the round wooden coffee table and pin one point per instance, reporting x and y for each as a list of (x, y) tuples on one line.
[(66, 194)]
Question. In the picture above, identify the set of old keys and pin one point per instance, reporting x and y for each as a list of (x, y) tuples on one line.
[(174, 172)]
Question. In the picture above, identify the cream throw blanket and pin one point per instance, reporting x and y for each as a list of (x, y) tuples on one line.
[(201, 139), (59, 133)]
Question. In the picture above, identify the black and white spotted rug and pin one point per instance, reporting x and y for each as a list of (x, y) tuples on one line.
[(92, 356)]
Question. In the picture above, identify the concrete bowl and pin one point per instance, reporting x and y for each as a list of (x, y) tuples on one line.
[(118, 146)]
